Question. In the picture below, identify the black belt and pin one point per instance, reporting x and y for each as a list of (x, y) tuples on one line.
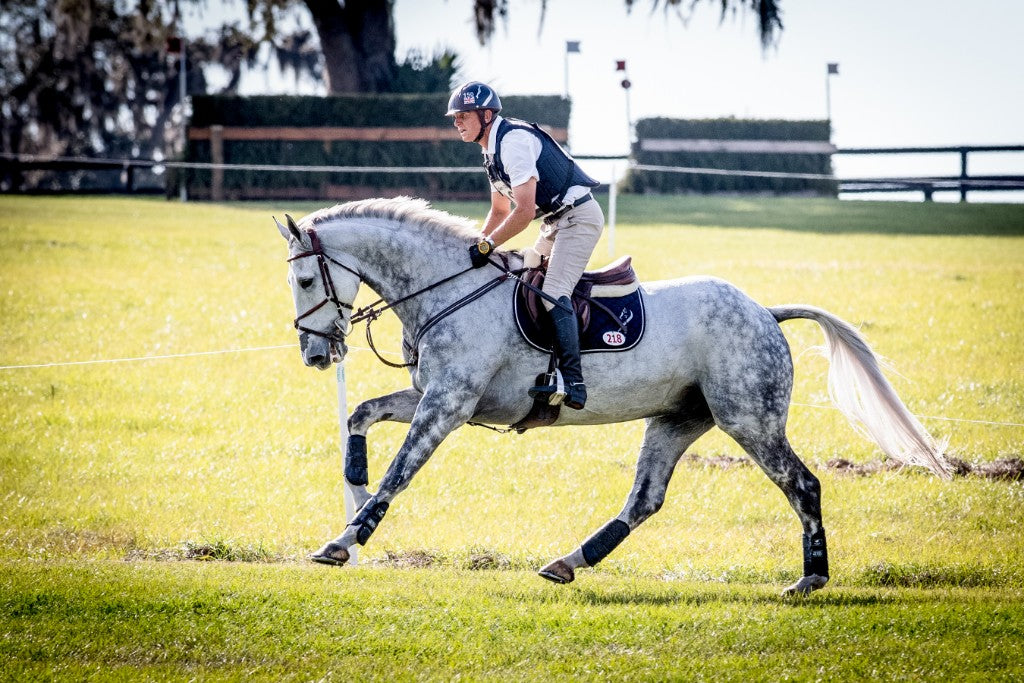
[(566, 208)]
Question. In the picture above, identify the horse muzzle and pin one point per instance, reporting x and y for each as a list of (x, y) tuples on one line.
[(321, 352)]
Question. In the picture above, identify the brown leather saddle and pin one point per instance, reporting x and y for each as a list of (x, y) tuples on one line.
[(614, 280), (609, 308)]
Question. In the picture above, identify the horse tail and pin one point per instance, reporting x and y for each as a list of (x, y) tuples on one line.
[(858, 388)]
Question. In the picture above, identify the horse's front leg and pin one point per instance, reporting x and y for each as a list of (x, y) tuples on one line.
[(397, 407), (445, 406)]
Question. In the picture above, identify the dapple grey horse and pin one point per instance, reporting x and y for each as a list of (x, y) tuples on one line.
[(710, 357)]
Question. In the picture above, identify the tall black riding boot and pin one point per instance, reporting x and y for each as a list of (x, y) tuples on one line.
[(567, 347)]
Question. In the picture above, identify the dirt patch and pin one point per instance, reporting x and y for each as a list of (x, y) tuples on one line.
[(412, 559), (722, 462), (488, 560), (862, 469), (1008, 469)]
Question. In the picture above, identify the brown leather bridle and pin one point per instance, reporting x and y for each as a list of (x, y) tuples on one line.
[(341, 329), (371, 312)]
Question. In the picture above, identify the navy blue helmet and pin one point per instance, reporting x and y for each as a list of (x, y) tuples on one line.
[(473, 96)]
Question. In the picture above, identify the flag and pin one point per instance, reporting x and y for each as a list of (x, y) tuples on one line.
[(833, 68), (572, 46), (620, 65)]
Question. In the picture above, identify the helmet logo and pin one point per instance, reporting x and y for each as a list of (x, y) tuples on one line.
[(468, 98)]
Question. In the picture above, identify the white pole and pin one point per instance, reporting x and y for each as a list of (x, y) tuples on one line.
[(350, 499), (182, 94), (567, 71), (613, 194)]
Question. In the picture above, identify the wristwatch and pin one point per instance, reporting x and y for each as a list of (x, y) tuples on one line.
[(485, 246)]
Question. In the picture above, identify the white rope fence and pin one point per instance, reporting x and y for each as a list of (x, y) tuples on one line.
[(196, 354), (695, 170)]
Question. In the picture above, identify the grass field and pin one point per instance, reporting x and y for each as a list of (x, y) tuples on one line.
[(120, 482)]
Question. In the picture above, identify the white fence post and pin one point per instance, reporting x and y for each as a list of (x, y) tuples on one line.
[(350, 499), (613, 194)]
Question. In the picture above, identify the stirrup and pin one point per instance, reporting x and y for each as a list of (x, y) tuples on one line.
[(550, 387)]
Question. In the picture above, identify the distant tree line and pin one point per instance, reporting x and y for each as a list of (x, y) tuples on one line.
[(94, 77)]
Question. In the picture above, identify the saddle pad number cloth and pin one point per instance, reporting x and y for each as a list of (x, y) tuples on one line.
[(599, 331)]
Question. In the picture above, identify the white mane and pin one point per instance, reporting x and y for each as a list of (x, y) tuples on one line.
[(399, 209)]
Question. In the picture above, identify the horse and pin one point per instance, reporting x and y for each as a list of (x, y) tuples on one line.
[(710, 357)]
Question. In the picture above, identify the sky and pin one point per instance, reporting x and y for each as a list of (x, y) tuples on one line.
[(911, 72)]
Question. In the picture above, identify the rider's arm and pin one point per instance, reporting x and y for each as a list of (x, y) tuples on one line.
[(501, 207), (524, 197)]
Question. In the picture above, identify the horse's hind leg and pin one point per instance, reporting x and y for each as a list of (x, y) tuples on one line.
[(776, 458), (666, 438)]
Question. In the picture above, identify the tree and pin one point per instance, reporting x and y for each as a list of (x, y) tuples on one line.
[(92, 78), (486, 14), (358, 36)]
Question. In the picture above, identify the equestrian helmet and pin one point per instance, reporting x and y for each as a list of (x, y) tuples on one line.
[(473, 96)]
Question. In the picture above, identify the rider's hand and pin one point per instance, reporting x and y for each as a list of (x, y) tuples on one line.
[(479, 252)]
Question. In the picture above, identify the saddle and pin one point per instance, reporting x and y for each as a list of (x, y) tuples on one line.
[(608, 304), (609, 308)]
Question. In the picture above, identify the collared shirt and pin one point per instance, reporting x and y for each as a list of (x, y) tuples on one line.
[(520, 150)]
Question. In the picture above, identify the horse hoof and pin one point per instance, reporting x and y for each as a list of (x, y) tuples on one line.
[(331, 554), (806, 585), (558, 571)]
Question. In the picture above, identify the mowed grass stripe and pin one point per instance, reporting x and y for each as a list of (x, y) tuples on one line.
[(223, 622)]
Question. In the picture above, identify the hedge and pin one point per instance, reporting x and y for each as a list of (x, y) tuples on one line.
[(356, 111), (731, 129)]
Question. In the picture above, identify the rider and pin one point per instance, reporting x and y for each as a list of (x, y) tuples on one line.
[(531, 177)]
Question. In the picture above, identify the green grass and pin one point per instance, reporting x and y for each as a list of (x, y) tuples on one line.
[(118, 480), (220, 622)]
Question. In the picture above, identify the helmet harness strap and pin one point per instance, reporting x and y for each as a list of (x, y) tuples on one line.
[(483, 124)]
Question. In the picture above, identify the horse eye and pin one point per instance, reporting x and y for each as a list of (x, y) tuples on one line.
[(305, 282)]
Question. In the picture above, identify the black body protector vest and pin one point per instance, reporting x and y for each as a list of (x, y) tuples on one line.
[(557, 170)]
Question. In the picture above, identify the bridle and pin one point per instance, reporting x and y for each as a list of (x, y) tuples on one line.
[(341, 330), (373, 311)]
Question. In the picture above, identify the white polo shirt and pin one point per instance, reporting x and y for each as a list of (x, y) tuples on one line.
[(520, 150)]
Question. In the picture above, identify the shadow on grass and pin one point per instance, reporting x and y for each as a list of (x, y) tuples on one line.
[(691, 595)]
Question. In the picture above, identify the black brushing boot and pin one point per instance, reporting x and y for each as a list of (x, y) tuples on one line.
[(567, 347)]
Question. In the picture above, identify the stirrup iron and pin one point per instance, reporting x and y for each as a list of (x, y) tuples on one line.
[(550, 387)]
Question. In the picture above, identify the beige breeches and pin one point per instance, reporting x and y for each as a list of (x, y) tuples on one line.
[(568, 244)]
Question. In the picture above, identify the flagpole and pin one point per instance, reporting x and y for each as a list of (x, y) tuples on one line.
[(828, 96), (570, 46), (620, 65), (566, 71), (831, 69)]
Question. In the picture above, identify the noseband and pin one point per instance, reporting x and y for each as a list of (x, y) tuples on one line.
[(338, 334)]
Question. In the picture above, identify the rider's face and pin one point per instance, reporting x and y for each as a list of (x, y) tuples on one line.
[(468, 124)]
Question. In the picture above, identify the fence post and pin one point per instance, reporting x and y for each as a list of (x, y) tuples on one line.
[(350, 499), (963, 174), (613, 194), (217, 157)]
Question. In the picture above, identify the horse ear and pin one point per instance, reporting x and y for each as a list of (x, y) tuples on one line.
[(283, 230), (292, 228)]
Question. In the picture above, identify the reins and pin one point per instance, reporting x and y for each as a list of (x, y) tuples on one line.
[(371, 312)]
